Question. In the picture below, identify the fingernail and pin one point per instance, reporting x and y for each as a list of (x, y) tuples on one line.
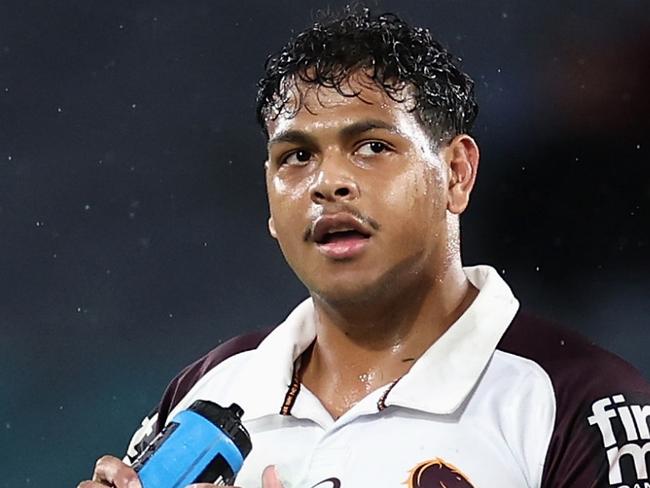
[(270, 477)]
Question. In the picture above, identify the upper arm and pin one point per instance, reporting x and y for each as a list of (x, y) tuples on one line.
[(601, 437)]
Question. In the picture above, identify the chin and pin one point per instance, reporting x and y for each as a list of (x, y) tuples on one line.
[(341, 299), (363, 281), (352, 289)]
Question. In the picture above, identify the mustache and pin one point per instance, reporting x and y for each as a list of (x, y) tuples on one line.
[(340, 208)]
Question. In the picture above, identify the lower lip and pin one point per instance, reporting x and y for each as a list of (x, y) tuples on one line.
[(344, 248)]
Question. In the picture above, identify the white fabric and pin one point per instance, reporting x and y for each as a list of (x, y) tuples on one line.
[(490, 414)]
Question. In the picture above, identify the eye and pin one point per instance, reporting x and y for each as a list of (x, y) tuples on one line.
[(297, 158), (372, 148)]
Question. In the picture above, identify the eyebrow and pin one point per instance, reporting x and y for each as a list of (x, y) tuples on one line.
[(365, 125), (302, 138), (297, 137)]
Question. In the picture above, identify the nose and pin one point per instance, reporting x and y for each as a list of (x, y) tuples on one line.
[(333, 186)]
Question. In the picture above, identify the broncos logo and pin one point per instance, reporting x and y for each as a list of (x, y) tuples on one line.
[(328, 483), (436, 474)]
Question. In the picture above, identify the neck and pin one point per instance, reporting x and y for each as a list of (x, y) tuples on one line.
[(364, 346)]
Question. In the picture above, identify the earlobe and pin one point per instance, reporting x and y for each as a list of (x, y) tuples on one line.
[(463, 166), (272, 231)]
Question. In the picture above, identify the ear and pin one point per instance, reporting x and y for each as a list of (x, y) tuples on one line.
[(462, 157), (271, 224), (272, 231)]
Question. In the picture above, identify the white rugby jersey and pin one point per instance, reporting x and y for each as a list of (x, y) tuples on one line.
[(500, 400)]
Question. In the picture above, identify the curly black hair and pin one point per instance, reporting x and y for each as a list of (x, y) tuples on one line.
[(393, 53)]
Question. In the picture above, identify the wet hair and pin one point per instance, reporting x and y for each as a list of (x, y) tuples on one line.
[(397, 57)]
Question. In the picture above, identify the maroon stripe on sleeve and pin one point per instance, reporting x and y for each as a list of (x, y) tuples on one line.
[(596, 394), (187, 378)]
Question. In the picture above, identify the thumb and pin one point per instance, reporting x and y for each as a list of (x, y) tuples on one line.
[(270, 478)]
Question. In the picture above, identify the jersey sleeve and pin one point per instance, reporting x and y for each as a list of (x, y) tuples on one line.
[(600, 436)]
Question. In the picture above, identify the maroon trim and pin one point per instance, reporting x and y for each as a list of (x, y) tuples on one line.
[(296, 380), (292, 392), (187, 378), (381, 403)]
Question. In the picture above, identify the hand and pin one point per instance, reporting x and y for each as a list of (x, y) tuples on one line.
[(270, 479), (111, 471)]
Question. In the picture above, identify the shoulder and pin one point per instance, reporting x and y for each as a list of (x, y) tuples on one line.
[(570, 360), (154, 422), (191, 374), (598, 400)]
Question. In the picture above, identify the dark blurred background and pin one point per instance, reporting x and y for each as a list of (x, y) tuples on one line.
[(133, 214)]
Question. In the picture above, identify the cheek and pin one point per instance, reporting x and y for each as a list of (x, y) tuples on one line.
[(415, 204), (286, 207), (416, 191), (286, 188)]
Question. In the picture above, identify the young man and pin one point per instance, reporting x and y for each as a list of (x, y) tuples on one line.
[(402, 368)]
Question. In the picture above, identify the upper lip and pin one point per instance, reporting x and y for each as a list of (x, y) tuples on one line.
[(338, 222)]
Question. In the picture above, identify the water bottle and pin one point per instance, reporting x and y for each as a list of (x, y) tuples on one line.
[(204, 444)]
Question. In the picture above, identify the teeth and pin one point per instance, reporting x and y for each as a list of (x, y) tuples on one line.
[(342, 229)]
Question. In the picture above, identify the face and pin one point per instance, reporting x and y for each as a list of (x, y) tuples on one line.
[(360, 201)]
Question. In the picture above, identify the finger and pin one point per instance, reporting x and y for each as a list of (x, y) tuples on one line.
[(112, 471), (270, 478)]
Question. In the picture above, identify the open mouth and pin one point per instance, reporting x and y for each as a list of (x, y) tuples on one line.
[(340, 236), (342, 244)]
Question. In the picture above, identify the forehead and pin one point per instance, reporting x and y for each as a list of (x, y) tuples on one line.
[(310, 107)]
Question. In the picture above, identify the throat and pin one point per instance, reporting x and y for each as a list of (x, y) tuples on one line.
[(360, 347), (340, 385)]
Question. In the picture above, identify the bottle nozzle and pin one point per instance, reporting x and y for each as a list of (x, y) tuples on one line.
[(236, 410)]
